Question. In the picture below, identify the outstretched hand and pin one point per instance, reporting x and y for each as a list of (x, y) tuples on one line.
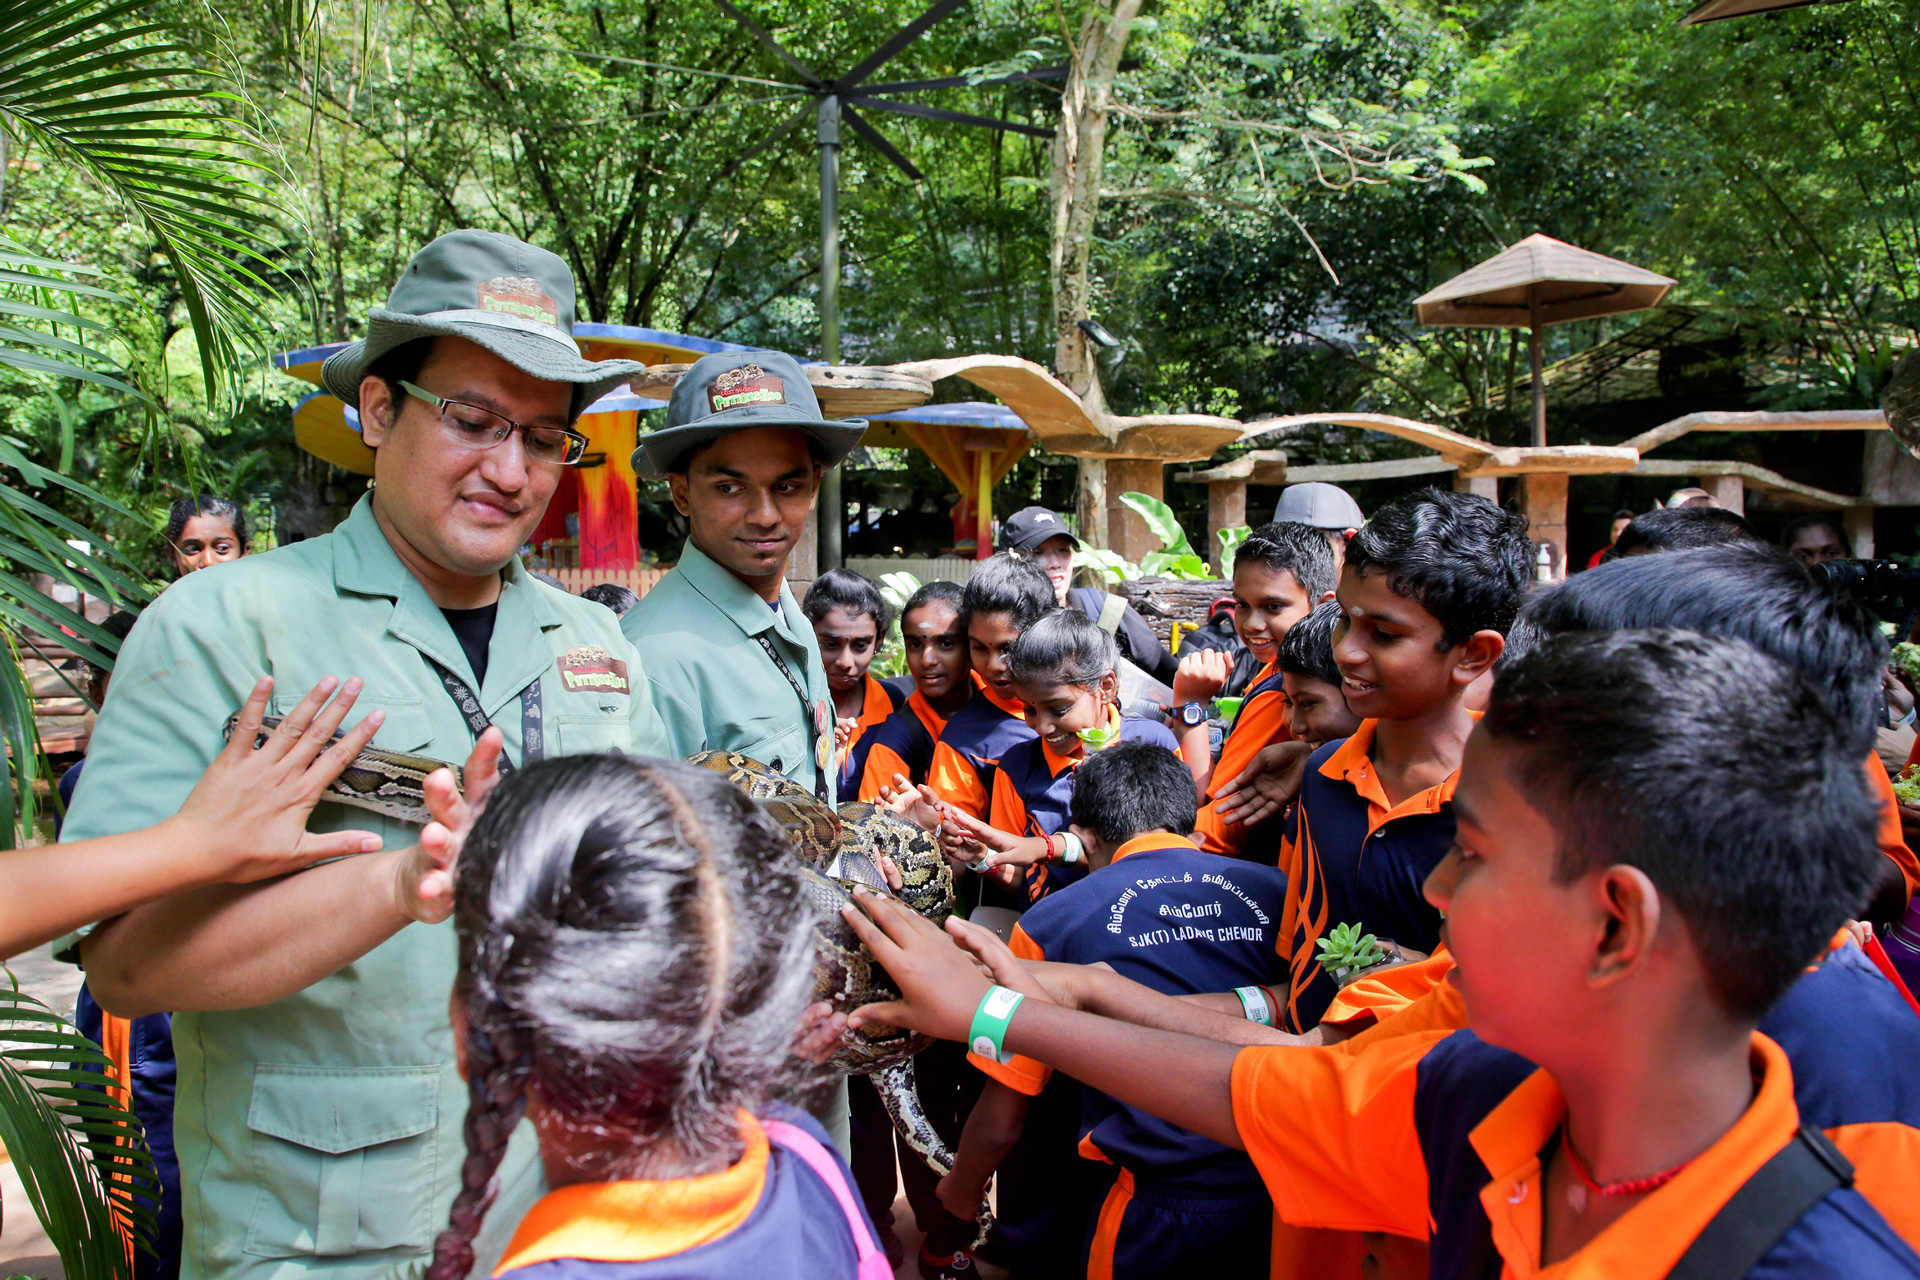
[(1053, 982), (820, 1032), (939, 983), (249, 810), (1266, 786), (423, 880)]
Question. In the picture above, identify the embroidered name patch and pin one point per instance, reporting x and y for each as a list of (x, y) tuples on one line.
[(520, 296), (749, 384), (589, 668)]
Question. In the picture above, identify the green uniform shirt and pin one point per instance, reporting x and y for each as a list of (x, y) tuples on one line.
[(321, 1135), (714, 685)]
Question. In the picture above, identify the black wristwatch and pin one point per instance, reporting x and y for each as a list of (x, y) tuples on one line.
[(1192, 713)]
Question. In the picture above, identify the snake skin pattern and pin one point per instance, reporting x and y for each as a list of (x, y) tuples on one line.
[(386, 782)]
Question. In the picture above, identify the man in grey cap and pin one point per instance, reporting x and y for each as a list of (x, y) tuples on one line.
[(1324, 506), (319, 1111)]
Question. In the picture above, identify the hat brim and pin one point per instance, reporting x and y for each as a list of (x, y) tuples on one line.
[(1028, 544), (543, 356), (660, 450)]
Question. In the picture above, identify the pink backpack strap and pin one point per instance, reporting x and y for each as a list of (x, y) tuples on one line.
[(873, 1263)]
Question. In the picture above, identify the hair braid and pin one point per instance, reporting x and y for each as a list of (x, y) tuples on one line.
[(497, 1098)]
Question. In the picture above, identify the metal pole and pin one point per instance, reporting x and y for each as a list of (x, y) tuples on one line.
[(1537, 355), (833, 510)]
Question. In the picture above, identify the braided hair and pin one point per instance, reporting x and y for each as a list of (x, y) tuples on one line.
[(635, 951)]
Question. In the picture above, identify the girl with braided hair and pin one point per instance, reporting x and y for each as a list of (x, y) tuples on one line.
[(636, 952)]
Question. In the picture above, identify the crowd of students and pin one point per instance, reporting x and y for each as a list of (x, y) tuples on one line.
[(1511, 929)]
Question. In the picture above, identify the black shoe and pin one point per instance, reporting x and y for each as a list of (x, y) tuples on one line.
[(890, 1245), (957, 1265)]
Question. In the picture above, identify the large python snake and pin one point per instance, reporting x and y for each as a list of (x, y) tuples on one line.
[(839, 850)]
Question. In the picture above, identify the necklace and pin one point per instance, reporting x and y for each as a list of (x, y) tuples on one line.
[(1577, 1194)]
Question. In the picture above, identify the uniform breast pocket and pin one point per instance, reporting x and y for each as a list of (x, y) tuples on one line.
[(595, 727), (344, 1161), (784, 751)]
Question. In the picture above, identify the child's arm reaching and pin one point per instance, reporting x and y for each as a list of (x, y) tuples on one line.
[(1096, 988), (994, 1125)]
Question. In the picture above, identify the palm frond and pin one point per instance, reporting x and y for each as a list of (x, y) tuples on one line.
[(106, 89), (81, 1154)]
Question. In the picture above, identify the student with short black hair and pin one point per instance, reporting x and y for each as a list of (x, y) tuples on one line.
[(850, 619), (614, 596), (1005, 596), (935, 645), (1280, 573), (1658, 832), (1163, 913), (1316, 708), (1816, 538), (1681, 529)]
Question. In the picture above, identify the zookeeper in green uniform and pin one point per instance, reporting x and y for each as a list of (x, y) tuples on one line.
[(733, 660), (318, 1116)]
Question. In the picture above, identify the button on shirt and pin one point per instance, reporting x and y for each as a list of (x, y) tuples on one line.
[(320, 1135), (715, 686)]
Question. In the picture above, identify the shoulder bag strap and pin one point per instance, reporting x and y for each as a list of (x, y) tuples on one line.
[(1752, 1221), (873, 1263), (1112, 609)]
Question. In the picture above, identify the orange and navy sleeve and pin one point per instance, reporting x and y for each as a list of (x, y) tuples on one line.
[(1007, 812), (955, 780), (1893, 840), (882, 763), (1022, 1075), (1441, 1009), (1385, 993), (1333, 1133), (1261, 722)]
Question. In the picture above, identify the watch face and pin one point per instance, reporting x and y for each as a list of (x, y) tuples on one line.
[(1192, 713)]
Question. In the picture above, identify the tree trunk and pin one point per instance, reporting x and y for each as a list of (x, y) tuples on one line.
[(1078, 147)]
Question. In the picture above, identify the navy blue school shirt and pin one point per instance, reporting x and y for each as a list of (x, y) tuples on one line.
[(969, 750), (769, 1217), (1033, 789), (1352, 857), (1183, 922)]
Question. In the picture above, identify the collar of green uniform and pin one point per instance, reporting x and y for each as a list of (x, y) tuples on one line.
[(742, 605), (364, 562)]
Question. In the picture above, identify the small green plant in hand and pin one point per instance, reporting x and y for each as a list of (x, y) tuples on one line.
[(1346, 951), (1905, 661), (1906, 787)]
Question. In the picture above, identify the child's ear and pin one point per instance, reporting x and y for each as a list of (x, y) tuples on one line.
[(1475, 656), (1110, 687), (1630, 917)]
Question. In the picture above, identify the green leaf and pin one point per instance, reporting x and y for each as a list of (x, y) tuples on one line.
[(81, 1155), (1230, 539), (1161, 520), (1107, 564)]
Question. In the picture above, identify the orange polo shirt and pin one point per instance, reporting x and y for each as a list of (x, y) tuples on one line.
[(1261, 721), (903, 744)]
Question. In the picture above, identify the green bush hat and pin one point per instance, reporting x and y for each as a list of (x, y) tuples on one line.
[(504, 294), (736, 391)]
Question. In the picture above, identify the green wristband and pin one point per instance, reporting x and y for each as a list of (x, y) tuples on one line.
[(1253, 1003), (990, 1021)]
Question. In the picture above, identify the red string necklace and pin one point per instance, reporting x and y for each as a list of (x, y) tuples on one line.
[(1626, 1187)]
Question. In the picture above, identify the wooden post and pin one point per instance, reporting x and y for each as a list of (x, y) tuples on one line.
[(983, 505), (1859, 523), (803, 565), (1487, 487), (1129, 534), (1545, 498), (1729, 491), (1226, 507), (1536, 356), (1093, 502)]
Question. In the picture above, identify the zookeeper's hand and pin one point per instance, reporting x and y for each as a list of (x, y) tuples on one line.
[(249, 810)]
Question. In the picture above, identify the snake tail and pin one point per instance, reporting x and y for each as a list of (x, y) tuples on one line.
[(901, 1096)]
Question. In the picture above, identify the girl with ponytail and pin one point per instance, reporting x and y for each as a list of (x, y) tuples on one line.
[(636, 951)]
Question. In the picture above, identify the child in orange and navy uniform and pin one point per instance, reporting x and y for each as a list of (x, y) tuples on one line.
[(636, 953), (1005, 596), (1065, 670), (1317, 711), (1182, 921), (1430, 586), (936, 651), (1280, 573), (1658, 831), (850, 617)]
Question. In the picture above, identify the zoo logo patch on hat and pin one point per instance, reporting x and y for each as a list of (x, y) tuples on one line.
[(749, 384), (590, 668), (520, 296)]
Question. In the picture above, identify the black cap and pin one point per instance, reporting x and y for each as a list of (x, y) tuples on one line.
[(1028, 527)]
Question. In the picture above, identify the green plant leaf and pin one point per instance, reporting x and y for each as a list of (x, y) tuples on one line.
[(1161, 520), (1230, 539), (81, 1154), (1107, 564)]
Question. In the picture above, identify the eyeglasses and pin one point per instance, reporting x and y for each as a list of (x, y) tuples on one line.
[(478, 428)]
